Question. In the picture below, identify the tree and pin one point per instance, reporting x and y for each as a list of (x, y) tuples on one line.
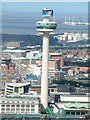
[(88, 71)]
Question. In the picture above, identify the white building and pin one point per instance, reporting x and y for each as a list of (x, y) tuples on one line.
[(34, 69), (72, 37), (20, 104), (75, 106), (20, 88), (14, 53), (74, 98), (33, 55), (70, 72)]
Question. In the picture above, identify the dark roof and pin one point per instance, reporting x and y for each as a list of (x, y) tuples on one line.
[(39, 86), (62, 86)]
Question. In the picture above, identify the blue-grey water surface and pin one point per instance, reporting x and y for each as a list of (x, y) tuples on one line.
[(25, 23)]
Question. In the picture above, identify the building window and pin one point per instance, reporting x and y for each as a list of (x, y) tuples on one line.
[(22, 105), (7, 105), (27, 110), (77, 113), (16, 89), (32, 110), (68, 113), (52, 90), (7, 110), (3, 105), (27, 106), (3, 109), (12, 106), (9, 86), (12, 110), (82, 113), (22, 110), (17, 106), (72, 113), (32, 105)]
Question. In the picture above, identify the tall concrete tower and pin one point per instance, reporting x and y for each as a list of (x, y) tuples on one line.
[(46, 26)]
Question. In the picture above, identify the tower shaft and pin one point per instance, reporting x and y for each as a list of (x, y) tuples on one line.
[(46, 26), (44, 83)]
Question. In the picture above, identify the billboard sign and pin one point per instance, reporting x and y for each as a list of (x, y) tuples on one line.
[(47, 12)]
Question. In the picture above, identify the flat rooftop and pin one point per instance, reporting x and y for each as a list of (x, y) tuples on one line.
[(14, 51), (18, 84), (53, 54), (20, 97)]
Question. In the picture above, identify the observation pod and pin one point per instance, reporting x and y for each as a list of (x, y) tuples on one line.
[(46, 26)]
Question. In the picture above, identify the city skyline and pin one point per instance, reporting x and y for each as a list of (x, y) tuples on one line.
[(44, 64)]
